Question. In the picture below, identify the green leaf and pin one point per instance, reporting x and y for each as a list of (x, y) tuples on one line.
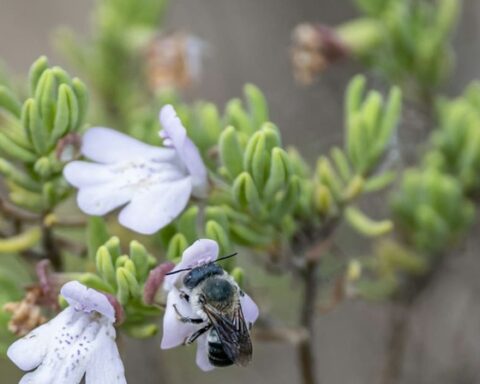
[(178, 243), (9, 102), (257, 105), (36, 71), (365, 225), (231, 153), (97, 235)]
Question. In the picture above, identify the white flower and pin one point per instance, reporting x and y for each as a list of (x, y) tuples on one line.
[(176, 332), (153, 183), (80, 341)]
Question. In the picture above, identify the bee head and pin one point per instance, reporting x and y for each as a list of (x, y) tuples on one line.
[(199, 274)]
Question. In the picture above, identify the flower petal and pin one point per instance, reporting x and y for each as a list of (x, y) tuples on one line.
[(28, 352), (82, 173), (100, 199), (174, 331), (200, 252), (175, 132), (202, 354), (106, 145), (154, 207), (105, 366), (69, 350), (249, 308), (87, 300)]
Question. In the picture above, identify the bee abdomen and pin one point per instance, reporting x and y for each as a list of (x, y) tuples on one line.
[(216, 353)]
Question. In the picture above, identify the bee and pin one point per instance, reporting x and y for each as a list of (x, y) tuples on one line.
[(215, 298)]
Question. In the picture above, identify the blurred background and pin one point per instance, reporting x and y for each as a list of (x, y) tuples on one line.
[(249, 42)]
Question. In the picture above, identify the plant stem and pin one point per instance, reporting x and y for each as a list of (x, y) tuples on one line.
[(397, 340), (50, 248), (305, 348)]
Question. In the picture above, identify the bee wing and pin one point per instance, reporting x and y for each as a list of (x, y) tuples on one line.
[(233, 334)]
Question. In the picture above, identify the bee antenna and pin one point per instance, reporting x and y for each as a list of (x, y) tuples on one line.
[(227, 257), (178, 271)]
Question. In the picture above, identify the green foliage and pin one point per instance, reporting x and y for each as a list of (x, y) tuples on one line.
[(265, 194), (456, 144), (431, 209), (370, 124), (124, 276), (113, 60), (32, 153), (13, 277), (412, 43)]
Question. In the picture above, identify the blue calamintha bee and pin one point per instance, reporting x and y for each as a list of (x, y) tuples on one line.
[(215, 297)]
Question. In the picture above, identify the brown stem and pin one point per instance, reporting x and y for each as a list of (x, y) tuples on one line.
[(50, 248), (397, 340), (305, 348), (15, 213)]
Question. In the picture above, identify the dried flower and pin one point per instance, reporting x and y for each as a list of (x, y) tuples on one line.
[(26, 314), (314, 48), (78, 342), (174, 61), (175, 332), (154, 183)]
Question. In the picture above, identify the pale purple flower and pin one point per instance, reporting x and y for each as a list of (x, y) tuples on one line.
[(153, 183), (176, 332), (78, 342)]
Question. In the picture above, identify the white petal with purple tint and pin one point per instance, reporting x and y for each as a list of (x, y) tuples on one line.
[(87, 300), (72, 344), (157, 206), (200, 252), (105, 145), (154, 184), (176, 135), (249, 308), (174, 331)]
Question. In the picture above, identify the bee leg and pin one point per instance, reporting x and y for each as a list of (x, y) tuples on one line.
[(197, 334), (184, 319)]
